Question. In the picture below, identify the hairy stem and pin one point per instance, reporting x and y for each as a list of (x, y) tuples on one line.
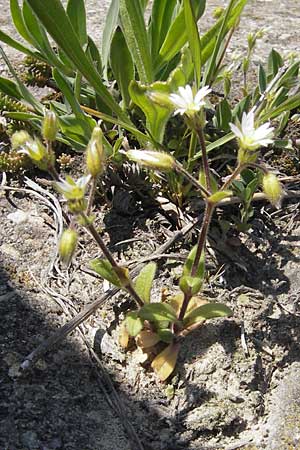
[(91, 196), (200, 134), (92, 230), (180, 169), (233, 176)]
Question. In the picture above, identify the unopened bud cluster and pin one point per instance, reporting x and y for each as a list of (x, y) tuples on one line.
[(95, 154)]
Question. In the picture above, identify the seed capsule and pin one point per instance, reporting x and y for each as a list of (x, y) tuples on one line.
[(50, 126), (67, 245), (95, 154), (272, 189)]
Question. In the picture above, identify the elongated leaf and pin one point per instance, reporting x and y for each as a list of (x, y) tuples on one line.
[(110, 26), (223, 116), (17, 17), (9, 87), (22, 116), (177, 34), (291, 103), (262, 79), (68, 93), (77, 15), (94, 55), (17, 46), (121, 65), (138, 134), (144, 281), (187, 268), (75, 128), (275, 61), (133, 26), (216, 144), (208, 311), (209, 73), (40, 39), (133, 323), (26, 94), (164, 363), (161, 18), (58, 25), (157, 312), (209, 39), (193, 38), (103, 268)]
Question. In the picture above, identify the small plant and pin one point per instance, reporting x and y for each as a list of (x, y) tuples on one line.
[(167, 321)]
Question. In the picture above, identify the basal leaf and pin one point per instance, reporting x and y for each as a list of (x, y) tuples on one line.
[(161, 18), (164, 363), (133, 323), (111, 23), (205, 312), (17, 17), (157, 312)]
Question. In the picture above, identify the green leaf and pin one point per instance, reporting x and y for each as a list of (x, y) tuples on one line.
[(292, 102), (121, 64), (133, 323), (262, 79), (26, 94), (224, 27), (111, 23), (212, 39), (19, 47), (187, 268), (77, 15), (93, 53), (275, 61), (68, 93), (40, 39), (156, 114), (177, 36), (190, 285), (161, 18), (75, 128), (58, 25), (223, 116), (103, 268), (165, 335), (144, 280), (8, 87), (18, 21), (193, 38), (133, 27), (218, 196), (157, 312), (207, 311)]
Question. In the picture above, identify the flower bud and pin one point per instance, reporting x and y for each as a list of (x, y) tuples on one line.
[(20, 138), (38, 153), (217, 12), (95, 155), (67, 245), (152, 159), (272, 189), (162, 99), (50, 126)]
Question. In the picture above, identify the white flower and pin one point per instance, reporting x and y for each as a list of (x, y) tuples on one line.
[(152, 159), (249, 137), (73, 190), (186, 102)]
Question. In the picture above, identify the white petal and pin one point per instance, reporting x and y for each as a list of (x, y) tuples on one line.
[(178, 100), (236, 130), (203, 92)]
